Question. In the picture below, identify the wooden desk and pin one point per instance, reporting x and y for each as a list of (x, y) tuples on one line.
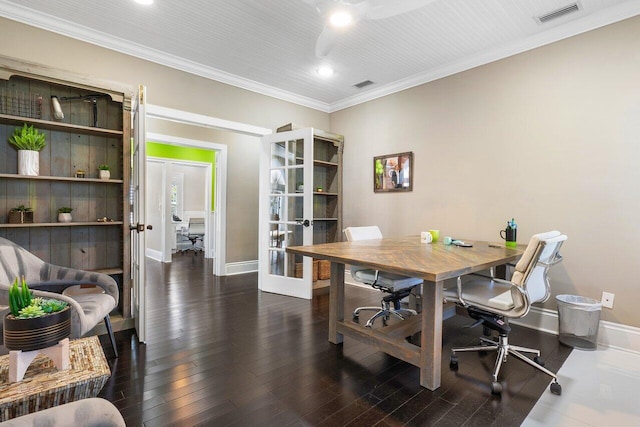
[(44, 386), (434, 263)]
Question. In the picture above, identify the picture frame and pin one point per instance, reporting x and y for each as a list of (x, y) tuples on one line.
[(393, 172)]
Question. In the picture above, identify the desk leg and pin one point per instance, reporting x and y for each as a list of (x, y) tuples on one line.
[(431, 337), (336, 302)]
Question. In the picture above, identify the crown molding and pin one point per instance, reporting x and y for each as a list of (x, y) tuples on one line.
[(587, 23), (47, 22)]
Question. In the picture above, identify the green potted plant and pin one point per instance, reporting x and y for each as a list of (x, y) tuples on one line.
[(64, 214), (104, 171), (34, 323), (29, 141), (21, 215)]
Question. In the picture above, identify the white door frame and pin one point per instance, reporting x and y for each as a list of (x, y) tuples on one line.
[(164, 113), (219, 222)]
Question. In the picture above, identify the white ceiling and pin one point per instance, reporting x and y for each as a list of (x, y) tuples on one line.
[(268, 46)]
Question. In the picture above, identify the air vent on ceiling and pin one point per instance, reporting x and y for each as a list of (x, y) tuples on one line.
[(363, 84), (542, 19)]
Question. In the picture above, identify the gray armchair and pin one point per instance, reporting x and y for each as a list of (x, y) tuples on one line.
[(91, 412), (43, 278)]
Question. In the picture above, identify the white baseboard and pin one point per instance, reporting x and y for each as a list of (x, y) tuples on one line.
[(153, 254), (240, 267), (614, 335)]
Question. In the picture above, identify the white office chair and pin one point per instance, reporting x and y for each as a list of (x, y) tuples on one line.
[(195, 234), (492, 302), (397, 286)]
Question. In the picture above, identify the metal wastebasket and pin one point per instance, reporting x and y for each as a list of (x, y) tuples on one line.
[(578, 319)]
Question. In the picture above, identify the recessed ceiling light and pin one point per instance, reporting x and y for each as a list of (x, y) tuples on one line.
[(144, 2), (340, 18), (325, 71)]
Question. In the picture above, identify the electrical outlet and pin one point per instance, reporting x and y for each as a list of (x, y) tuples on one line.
[(607, 299)]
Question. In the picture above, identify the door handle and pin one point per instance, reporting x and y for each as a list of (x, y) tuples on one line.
[(306, 222), (139, 228)]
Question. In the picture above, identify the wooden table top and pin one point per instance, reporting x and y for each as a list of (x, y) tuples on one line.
[(408, 256)]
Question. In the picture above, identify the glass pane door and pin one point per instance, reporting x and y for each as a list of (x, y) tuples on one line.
[(284, 218)]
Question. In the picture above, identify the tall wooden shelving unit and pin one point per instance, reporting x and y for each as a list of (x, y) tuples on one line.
[(73, 143)]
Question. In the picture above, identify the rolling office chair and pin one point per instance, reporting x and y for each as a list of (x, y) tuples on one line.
[(397, 286), (195, 234), (492, 302)]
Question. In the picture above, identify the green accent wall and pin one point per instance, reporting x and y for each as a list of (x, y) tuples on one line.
[(174, 152)]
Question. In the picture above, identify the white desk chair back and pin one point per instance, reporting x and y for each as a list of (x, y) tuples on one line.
[(492, 302), (397, 286), (362, 233)]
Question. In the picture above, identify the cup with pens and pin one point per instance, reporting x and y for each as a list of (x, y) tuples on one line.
[(509, 234)]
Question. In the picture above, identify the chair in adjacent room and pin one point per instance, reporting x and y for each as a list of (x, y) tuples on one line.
[(492, 302), (396, 286), (45, 279), (195, 234)]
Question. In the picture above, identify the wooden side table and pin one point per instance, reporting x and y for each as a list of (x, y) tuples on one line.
[(44, 386)]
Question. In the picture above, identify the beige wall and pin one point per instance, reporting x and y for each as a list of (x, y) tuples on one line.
[(175, 89), (550, 137)]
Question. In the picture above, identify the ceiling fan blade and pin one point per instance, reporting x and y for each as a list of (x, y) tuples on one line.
[(381, 9), (325, 42)]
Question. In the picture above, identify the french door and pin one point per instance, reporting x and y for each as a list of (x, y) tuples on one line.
[(137, 216), (286, 212)]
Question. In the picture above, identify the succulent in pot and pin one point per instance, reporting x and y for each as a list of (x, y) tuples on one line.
[(34, 323), (104, 171), (21, 215), (64, 214)]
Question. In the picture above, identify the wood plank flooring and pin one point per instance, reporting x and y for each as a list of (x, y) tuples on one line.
[(221, 353)]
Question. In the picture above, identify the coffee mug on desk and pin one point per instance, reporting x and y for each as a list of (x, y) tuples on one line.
[(509, 235), (435, 235), (425, 237)]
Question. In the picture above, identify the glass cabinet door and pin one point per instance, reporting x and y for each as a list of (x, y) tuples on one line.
[(286, 209)]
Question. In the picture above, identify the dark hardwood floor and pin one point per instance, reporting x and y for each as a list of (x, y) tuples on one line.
[(219, 352)]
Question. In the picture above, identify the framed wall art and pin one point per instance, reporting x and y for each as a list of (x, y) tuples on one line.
[(393, 172)]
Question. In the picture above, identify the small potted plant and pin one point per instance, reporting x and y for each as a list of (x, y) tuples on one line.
[(34, 323), (21, 215), (29, 141), (104, 171), (64, 214)]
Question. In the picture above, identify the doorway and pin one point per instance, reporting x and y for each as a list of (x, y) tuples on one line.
[(179, 192), (186, 118)]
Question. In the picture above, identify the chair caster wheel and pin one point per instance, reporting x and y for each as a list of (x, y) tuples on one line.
[(496, 388), (356, 318), (556, 388), (538, 360), (453, 363)]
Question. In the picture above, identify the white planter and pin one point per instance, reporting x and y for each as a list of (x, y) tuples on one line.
[(28, 162), (104, 174), (64, 217)]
